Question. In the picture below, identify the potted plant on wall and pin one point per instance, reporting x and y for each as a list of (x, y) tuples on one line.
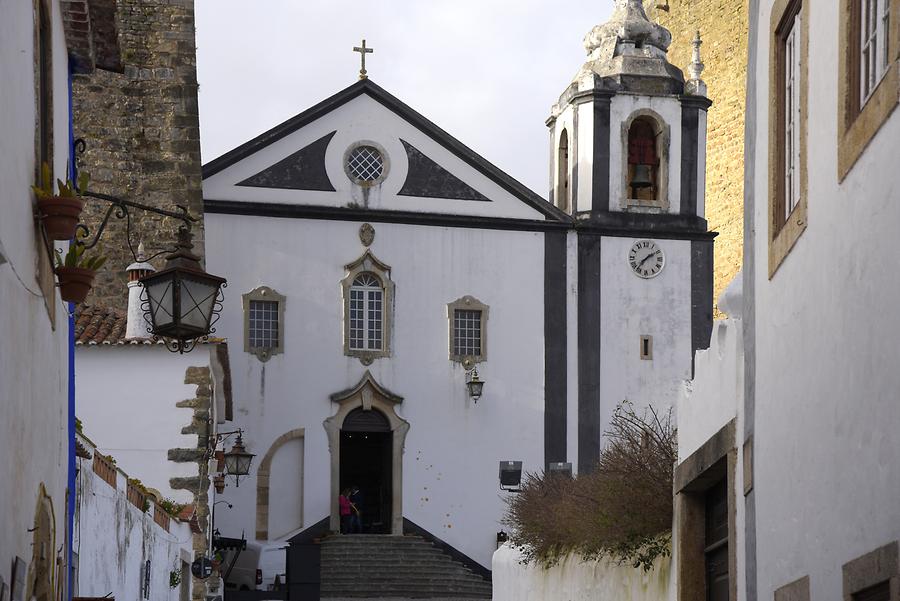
[(59, 210), (76, 273)]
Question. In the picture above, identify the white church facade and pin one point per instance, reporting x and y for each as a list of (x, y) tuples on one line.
[(382, 265)]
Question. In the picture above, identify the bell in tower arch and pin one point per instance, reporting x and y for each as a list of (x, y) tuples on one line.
[(643, 161)]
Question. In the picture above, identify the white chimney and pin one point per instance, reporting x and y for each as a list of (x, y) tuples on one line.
[(137, 326)]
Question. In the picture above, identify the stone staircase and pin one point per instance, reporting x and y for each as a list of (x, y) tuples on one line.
[(380, 566)]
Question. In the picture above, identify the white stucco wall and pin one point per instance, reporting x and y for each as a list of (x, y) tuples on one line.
[(631, 307), (450, 480), (575, 579), (716, 394), (126, 399), (827, 475), (33, 354), (114, 540)]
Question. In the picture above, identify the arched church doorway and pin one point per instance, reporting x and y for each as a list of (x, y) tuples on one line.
[(366, 462)]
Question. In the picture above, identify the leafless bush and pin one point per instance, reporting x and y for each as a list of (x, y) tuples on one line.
[(622, 509)]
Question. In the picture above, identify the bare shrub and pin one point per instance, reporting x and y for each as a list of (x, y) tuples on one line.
[(622, 509)]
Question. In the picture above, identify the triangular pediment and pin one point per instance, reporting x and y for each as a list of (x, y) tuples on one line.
[(364, 390), (308, 161)]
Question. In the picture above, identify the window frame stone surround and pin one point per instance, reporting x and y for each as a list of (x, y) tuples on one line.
[(858, 124), (369, 263), (263, 293), (468, 303), (784, 232), (873, 568)]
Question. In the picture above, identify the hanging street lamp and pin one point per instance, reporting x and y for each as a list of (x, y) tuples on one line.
[(238, 460), (182, 301)]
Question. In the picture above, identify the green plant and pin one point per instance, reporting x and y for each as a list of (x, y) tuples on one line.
[(66, 189), (174, 578), (171, 507), (75, 258)]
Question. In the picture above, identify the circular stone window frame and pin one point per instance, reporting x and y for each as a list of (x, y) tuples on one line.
[(385, 163)]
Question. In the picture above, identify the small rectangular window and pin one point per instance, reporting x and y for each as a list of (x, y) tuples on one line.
[(263, 324), (646, 348), (467, 333), (467, 317)]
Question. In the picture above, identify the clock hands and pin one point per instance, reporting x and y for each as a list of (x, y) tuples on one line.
[(641, 264)]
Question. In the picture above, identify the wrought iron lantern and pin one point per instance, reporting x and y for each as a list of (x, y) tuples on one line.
[(238, 460), (182, 301), (475, 385)]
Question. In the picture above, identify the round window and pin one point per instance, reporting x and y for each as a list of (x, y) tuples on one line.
[(365, 164)]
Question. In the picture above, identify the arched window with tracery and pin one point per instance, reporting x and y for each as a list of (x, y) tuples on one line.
[(366, 313), (368, 308), (643, 160), (562, 177)]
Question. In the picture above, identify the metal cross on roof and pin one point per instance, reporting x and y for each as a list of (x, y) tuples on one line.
[(363, 51)]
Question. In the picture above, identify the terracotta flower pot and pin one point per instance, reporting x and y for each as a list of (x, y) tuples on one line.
[(75, 283), (59, 215)]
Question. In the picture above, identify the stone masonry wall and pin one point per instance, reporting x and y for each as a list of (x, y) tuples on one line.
[(723, 27), (143, 136)]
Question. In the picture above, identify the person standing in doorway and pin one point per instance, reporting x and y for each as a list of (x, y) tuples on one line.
[(356, 501), (345, 510)]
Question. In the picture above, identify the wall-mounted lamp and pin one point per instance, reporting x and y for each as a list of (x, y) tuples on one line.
[(474, 384), (237, 461), (182, 302), (510, 475)]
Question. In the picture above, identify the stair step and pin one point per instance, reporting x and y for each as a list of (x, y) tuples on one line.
[(361, 566)]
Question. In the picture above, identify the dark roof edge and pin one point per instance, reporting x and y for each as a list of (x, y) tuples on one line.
[(396, 105)]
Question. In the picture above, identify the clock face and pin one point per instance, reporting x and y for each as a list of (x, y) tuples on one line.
[(646, 259)]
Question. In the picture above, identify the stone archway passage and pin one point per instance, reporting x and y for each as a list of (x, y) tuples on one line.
[(368, 395), (262, 482)]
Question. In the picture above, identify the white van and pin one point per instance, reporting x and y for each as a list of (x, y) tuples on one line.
[(256, 567)]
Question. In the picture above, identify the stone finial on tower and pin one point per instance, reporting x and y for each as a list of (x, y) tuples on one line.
[(695, 85), (136, 327), (628, 53)]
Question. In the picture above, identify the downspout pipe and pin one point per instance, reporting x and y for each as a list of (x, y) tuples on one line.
[(70, 489)]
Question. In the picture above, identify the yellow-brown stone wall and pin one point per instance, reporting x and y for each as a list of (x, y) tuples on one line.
[(723, 29)]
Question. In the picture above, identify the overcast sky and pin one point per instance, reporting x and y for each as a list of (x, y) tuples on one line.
[(486, 71)]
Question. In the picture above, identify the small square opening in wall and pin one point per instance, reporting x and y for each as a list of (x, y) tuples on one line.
[(646, 348)]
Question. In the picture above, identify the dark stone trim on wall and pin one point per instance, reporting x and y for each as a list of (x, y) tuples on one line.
[(701, 295), (426, 179), (410, 527), (690, 121), (380, 95), (555, 345), (263, 209), (302, 170), (573, 160), (649, 225), (600, 175), (589, 342)]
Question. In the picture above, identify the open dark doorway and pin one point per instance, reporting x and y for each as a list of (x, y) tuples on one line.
[(366, 448)]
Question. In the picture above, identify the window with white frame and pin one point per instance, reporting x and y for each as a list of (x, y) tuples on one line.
[(366, 313), (263, 323), (468, 325), (791, 96), (368, 294), (874, 53)]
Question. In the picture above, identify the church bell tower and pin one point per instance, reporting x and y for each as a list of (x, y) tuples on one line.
[(628, 139)]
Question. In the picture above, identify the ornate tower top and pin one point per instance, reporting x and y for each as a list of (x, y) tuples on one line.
[(628, 53)]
